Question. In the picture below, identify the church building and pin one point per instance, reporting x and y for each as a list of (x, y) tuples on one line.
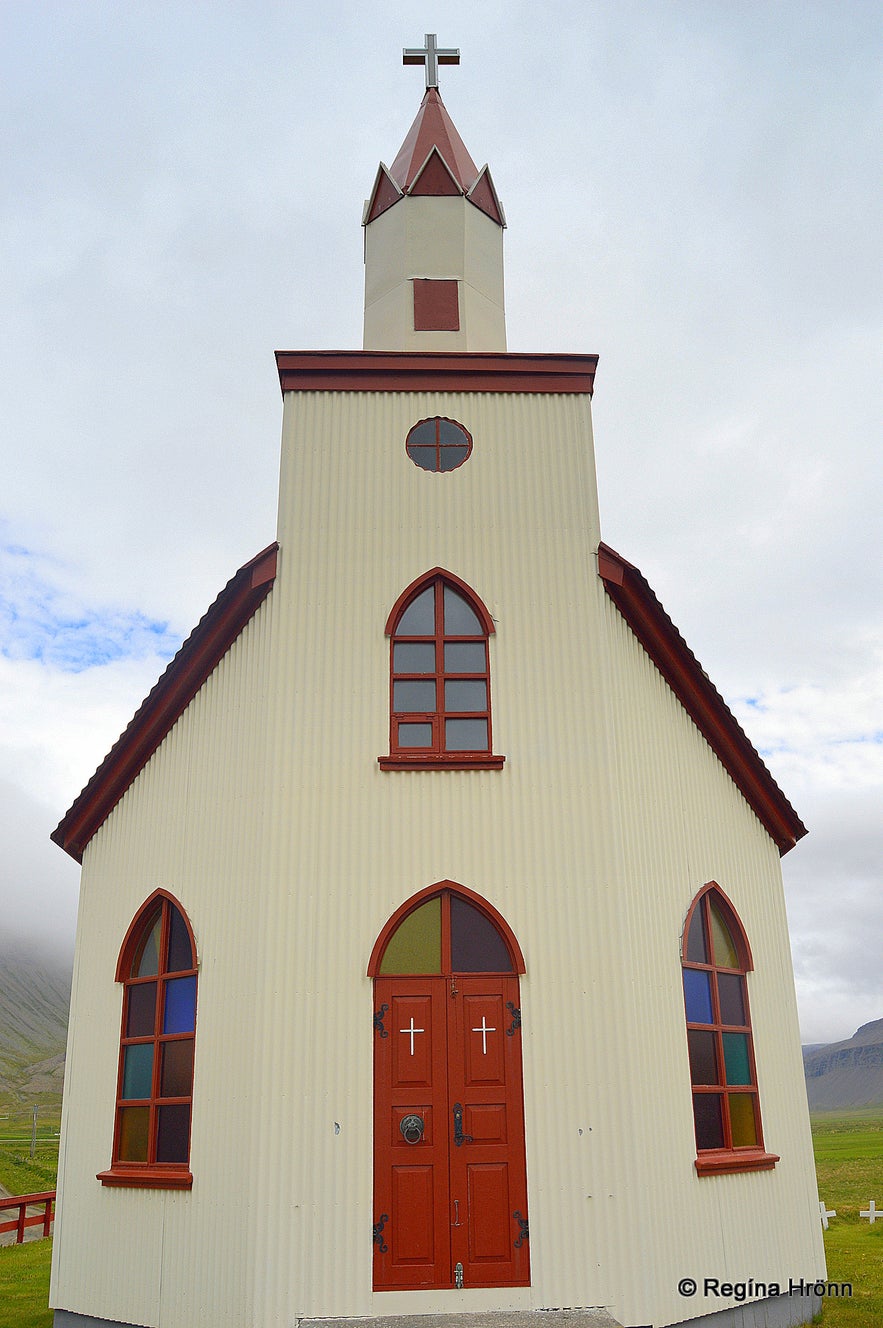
[(432, 964)]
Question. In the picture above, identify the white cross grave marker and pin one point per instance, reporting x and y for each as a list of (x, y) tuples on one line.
[(871, 1212), (484, 1030), (411, 1031), (826, 1213)]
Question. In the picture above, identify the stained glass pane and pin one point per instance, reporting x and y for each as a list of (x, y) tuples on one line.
[(419, 617), (466, 694), (138, 1070), (415, 945), (412, 695), (459, 618), (451, 457), (729, 991), (703, 1057), (173, 1136), (141, 1014), (466, 735), (180, 1011), (476, 945), (180, 951), (697, 996), (696, 951), (414, 657), (465, 657), (722, 945), (736, 1058), (743, 1127), (146, 961), (415, 735), (707, 1117), (134, 1133), (177, 1069)]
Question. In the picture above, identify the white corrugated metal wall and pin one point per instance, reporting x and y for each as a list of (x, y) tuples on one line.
[(265, 812)]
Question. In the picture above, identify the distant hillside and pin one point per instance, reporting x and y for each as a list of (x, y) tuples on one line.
[(846, 1074), (34, 998)]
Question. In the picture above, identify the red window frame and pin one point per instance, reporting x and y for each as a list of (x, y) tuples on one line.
[(730, 1156), (150, 1172), (444, 440), (435, 754)]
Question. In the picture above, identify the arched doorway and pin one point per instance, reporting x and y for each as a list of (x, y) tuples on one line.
[(450, 1184)]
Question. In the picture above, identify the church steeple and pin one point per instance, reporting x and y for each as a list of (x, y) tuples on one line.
[(433, 237)]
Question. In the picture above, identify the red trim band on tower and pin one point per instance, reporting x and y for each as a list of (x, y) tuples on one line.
[(433, 371)]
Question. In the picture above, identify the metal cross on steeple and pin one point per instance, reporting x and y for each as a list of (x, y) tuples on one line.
[(431, 56)]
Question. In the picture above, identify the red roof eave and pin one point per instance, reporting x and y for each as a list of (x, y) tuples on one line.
[(433, 371), (201, 652), (668, 650)]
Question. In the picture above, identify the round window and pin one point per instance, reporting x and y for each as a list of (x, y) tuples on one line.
[(438, 444)]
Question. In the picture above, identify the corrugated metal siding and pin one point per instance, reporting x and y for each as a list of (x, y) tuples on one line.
[(265, 812)]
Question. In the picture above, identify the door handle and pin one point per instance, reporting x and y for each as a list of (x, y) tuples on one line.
[(456, 1221), (459, 1136)]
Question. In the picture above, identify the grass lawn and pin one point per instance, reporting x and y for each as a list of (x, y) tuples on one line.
[(24, 1285), (849, 1166)]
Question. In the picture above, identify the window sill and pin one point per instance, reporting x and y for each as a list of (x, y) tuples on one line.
[(437, 761), (147, 1178), (726, 1161)]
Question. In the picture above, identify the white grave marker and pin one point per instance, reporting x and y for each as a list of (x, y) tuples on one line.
[(826, 1213), (870, 1212)]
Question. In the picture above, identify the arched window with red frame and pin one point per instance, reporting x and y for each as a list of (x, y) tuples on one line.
[(440, 685), (157, 967), (726, 1106)]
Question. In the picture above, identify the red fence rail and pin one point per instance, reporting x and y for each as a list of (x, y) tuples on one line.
[(23, 1202)]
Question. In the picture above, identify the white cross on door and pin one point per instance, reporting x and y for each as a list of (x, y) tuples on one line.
[(484, 1030), (411, 1032)]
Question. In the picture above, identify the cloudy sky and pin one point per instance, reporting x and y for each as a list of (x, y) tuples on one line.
[(692, 191)]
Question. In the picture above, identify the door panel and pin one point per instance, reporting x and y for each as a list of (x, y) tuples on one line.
[(449, 1043)]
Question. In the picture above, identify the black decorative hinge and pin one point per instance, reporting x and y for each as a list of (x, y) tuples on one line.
[(459, 1136), (377, 1238), (378, 1020), (524, 1233), (516, 1019)]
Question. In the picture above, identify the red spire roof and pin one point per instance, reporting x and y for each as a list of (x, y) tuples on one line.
[(434, 160)]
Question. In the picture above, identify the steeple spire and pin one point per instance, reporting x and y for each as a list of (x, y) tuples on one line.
[(433, 236)]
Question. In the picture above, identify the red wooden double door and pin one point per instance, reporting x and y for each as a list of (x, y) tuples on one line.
[(450, 1187)]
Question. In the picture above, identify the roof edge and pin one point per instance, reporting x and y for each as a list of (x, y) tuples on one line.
[(419, 371), (166, 702), (636, 601)]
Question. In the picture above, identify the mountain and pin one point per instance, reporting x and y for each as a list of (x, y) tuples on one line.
[(846, 1074), (35, 991)]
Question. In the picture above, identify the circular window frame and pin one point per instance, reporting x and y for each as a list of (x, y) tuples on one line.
[(438, 420)]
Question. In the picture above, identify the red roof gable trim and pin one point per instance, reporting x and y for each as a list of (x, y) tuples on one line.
[(668, 650), (433, 371), (384, 194), (201, 652), (484, 196)]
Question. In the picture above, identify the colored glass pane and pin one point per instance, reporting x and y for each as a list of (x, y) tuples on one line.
[(466, 735), (696, 951), (703, 1057), (415, 735), (414, 657), (465, 657), (743, 1126), (729, 992), (459, 617), (176, 1079), (697, 996), (476, 945), (173, 1135), (180, 949), (138, 1070), (708, 1120), (415, 945), (146, 961), (412, 695), (736, 1058), (141, 1013), (466, 694), (180, 1006), (722, 945), (419, 617), (134, 1133)]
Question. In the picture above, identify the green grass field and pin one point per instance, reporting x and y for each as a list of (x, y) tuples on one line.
[(849, 1164)]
